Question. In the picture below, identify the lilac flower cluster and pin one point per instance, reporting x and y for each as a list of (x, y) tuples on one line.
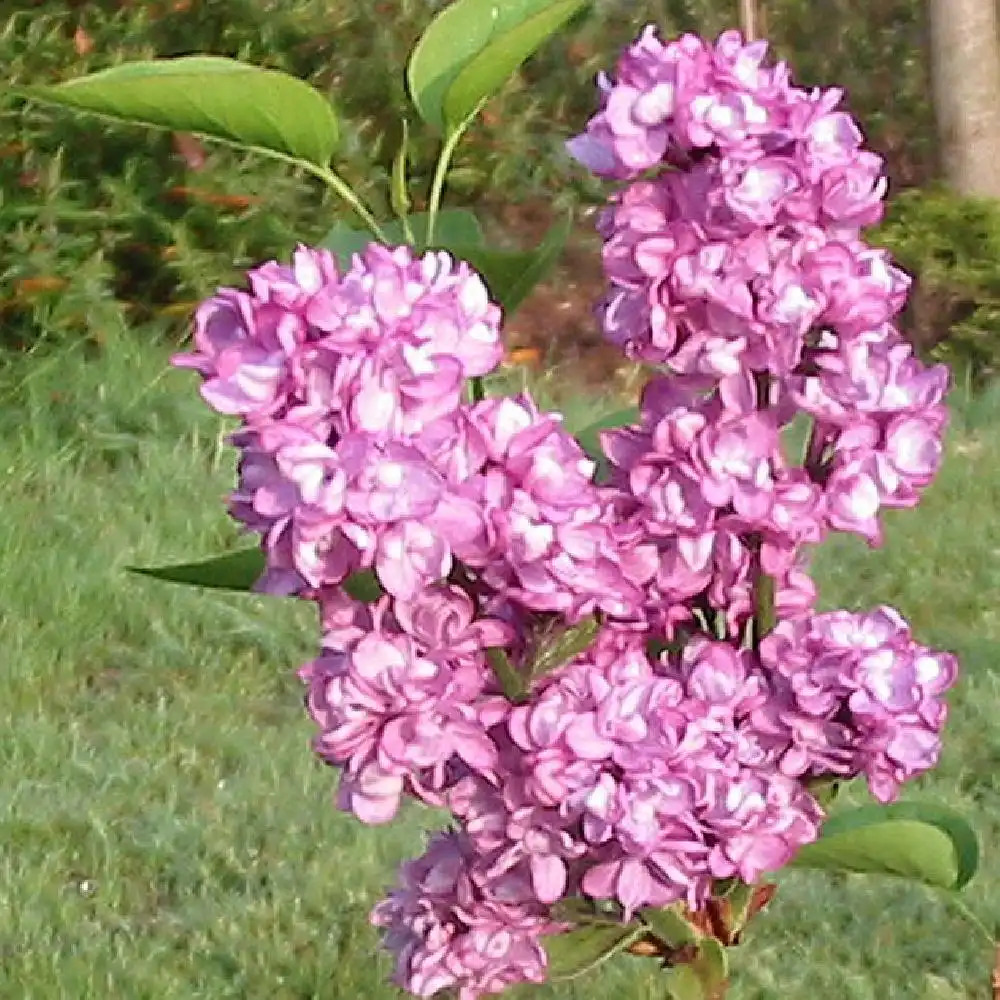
[(744, 255), (678, 747), (854, 694)]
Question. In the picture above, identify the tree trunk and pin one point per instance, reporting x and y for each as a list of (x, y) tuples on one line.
[(965, 71)]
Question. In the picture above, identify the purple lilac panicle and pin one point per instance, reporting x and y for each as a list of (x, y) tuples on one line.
[(737, 265), (747, 257), (451, 925)]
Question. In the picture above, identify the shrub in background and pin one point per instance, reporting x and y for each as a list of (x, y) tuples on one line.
[(136, 227), (951, 245)]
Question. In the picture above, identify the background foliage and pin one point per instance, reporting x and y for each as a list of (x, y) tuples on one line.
[(97, 236)]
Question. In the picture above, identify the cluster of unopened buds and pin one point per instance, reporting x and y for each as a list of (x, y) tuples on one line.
[(574, 658)]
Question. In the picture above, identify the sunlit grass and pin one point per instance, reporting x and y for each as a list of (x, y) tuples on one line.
[(165, 832)]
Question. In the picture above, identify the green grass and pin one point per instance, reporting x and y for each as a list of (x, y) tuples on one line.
[(166, 833)]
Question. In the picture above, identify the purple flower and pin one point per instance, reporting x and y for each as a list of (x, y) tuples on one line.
[(243, 369), (398, 716), (735, 262), (453, 926), (855, 694), (642, 764)]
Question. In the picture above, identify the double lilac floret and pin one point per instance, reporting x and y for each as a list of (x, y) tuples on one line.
[(679, 747)]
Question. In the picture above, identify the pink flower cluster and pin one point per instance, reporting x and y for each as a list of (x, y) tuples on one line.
[(703, 478), (853, 693), (453, 924), (678, 747), (744, 255)]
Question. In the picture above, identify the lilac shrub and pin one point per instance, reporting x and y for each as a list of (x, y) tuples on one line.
[(611, 672)]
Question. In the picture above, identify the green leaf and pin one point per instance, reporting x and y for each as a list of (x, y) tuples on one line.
[(825, 790), (511, 275), (553, 649), (239, 571), (232, 571), (702, 978), (485, 75), (590, 438), (364, 586), (212, 96), (683, 983), (512, 683), (472, 35), (576, 910), (670, 926), (454, 225), (913, 840), (739, 896), (583, 949)]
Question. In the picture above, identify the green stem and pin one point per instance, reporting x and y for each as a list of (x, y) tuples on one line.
[(441, 170), (399, 192), (437, 184), (764, 616), (962, 907), (763, 599), (339, 186), (335, 182)]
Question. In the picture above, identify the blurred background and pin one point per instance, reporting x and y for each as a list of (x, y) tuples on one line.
[(136, 226)]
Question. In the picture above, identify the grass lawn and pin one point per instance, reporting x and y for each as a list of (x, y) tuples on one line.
[(166, 833)]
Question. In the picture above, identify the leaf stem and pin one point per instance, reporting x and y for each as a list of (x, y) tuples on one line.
[(330, 178), (963, 908), (764, 586), (399, 190), (448, 148), (340, 187)]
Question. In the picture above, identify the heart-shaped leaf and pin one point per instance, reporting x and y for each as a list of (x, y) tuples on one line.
[(239, 571), (670, 926), (584, 948), (225, 99), (913, 840), (511, 275), (472, 47), (454, 226), (485, 75)]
